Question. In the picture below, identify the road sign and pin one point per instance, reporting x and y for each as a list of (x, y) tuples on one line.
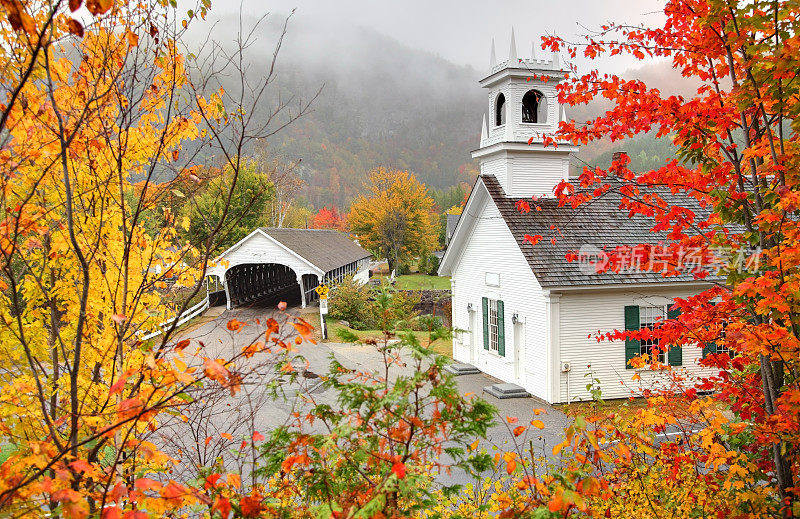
[(323, 306), (322, 290)]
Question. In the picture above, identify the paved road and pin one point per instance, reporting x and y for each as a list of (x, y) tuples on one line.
[(252, 408)]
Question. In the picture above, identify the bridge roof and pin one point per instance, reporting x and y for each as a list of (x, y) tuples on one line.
[(325, 249)]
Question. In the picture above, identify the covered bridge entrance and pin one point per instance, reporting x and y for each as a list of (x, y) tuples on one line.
[(287, 263)]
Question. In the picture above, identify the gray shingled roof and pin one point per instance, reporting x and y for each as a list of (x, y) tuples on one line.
[(600, 223), (323, 248)]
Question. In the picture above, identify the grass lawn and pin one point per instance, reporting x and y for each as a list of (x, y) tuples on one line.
[(441, 347), (420, 282)]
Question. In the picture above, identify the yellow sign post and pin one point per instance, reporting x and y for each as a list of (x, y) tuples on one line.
[(323, 290)]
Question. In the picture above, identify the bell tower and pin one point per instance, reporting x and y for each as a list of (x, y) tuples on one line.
[(522, 110)]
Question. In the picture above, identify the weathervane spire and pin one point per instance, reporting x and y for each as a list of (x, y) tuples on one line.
[(493, 57)]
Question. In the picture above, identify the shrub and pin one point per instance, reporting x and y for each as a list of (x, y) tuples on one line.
[(351, 301), (432, 266)]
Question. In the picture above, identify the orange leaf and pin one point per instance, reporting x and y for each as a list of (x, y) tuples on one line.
[(257, 437), (133, 39), (80, 466), (223, 506), (129, 408), (98, 6), (512, 419), (226, 436), (118, 386), (112, 512), (511, 466), (399, 469), (174, 491), (555, 503), (147, 484), (305, 330), (215, 371), (234, 480), (75, 27), (234, 325), (182, 345), (250, 506), (538, 424), (519, 430)]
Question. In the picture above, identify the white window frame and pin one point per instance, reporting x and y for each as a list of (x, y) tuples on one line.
[(651, 316), (494, 328), (722, 344)]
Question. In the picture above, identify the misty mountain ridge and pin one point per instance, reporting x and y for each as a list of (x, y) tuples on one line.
[(382, 104)]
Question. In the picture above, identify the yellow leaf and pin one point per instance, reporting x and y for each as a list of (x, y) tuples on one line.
[(538, 424)]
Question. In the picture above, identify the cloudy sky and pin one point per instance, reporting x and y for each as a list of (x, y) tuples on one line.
[(462, 31)]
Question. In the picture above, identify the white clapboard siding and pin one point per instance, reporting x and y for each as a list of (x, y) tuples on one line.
[(497, 167), (536, 173), (584, 313), (490, 247)]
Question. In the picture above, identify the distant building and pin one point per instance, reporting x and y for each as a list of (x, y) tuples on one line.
[(283, 261), (528, 315), (450, 228)]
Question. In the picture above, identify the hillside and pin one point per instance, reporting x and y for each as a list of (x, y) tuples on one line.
[(383, 103)]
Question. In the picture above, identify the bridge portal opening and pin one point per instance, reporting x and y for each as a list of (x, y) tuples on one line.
[(262, 284)]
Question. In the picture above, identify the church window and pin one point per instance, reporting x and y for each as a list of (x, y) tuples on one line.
[(650, 317), (534, 107), (494, 326), (500, 110)]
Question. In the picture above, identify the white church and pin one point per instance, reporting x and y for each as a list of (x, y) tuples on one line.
[(524, 314)]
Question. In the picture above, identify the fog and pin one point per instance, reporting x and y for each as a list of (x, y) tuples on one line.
[(393, 92)]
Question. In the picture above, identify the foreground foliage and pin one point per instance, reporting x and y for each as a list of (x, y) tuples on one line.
[(88, 408)]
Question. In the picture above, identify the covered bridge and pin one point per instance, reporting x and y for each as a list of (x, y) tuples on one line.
[(272, 262)]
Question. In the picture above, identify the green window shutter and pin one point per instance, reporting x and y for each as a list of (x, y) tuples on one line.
[(675, 354), (485, 303), (501, 330), (631, 323)]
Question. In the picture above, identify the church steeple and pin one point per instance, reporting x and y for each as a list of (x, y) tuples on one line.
[(523, 109)]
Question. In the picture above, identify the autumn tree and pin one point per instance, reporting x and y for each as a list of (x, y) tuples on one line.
[(205, 212), (394, 219), (329, 218), (730, 199), (93, 114)]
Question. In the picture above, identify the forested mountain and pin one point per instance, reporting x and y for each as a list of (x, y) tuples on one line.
[(381, 104)]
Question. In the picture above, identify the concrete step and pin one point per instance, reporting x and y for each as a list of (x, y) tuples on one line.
[(504, 391), (459, 368)]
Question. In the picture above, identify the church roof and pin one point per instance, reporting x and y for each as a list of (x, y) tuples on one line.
[(599, 223)]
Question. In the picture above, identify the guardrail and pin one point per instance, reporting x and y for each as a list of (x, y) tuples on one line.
[(189, 313)]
